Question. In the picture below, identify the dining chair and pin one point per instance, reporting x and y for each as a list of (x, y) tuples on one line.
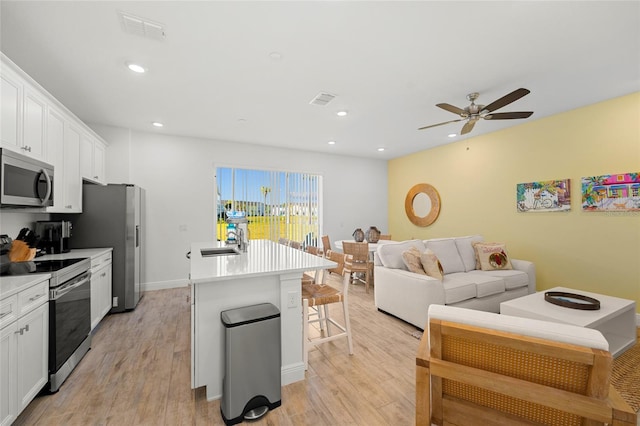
[(332, 255), (384, 237), (361, 262), (316, 299)]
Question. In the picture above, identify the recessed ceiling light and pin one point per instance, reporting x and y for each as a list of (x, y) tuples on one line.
[(380, 149), (136, 68), (276, 56), (342, 113), (331, 142), (157, 124), (452, 135)]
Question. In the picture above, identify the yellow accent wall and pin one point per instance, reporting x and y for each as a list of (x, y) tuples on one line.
[(476, 179)]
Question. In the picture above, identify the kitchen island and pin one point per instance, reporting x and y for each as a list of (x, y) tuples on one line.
[(266, 273)]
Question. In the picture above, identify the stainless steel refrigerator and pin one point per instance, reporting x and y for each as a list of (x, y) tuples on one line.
[(112, 217)]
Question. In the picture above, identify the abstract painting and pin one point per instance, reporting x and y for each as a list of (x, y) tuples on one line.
[(544, 196), (619, 192)]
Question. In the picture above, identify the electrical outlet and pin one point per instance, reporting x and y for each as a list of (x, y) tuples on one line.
[(114, 302), (292, 299)]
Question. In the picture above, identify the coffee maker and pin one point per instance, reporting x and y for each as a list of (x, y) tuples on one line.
[(54, 235)]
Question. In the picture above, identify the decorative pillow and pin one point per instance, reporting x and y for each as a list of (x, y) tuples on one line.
[(431, 264), (492, 256), (411, 259)]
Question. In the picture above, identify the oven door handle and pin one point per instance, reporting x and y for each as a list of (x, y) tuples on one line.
[(58, 292)]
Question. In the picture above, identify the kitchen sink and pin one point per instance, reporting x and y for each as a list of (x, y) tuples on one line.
[(219, 251)]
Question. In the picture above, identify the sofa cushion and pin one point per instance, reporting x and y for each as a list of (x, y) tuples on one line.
[(467, 253), (411, 259), (431, 264), (492, 256), (390, 255), (447, 252), (456, 289), (486, 285), (512, 277)]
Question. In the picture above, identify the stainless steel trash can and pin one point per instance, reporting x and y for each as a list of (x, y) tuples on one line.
[(252, 362)]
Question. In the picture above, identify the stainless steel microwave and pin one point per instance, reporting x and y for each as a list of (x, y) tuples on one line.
[(24, 181)]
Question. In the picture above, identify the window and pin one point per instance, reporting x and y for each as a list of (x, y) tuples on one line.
[(277, 204)]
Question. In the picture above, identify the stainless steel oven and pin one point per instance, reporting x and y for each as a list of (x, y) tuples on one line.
[(69, 312), (69, 327)]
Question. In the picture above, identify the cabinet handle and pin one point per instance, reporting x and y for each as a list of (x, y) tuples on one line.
[(95, 177), (67, 206), (22, 330), (104, 274), (26, 148), (4, 314), (36, 297)]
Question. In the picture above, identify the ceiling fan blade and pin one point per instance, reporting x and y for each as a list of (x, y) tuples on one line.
[(454, 109), (506, 99), (508, 115), (440, 124), (468, 126)]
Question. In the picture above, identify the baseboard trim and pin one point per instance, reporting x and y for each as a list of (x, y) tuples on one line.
[(162, 285)]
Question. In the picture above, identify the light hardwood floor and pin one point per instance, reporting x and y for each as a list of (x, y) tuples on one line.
[(137, 373)]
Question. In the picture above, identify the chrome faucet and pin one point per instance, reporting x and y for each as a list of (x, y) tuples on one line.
[(239, 236)]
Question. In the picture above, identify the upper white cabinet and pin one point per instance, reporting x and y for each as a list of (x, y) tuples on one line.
[(36, 124), (92, 159), (10, 107), (71, 180), (34, 135), (63, 141)]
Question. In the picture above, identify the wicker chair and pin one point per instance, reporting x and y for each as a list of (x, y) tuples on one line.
[(478, 367), (361, 261), (332, 255), (315, 300)]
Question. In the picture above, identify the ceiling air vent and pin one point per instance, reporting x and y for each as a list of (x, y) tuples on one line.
[(322, 99), (140, 26)]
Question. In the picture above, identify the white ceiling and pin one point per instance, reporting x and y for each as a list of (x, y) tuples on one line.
[(389, 63)]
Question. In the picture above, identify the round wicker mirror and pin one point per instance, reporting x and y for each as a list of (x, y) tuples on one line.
[(422, 204)]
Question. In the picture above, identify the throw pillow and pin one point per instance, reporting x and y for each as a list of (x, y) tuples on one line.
[(431, 264), (411, 259), (492, 256)]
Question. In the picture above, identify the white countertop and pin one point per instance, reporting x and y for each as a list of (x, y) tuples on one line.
[(77, 253), (13, 284), (263, 257)]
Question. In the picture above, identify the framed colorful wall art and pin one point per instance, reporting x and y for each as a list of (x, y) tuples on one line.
[(544, 196), (619, 192)]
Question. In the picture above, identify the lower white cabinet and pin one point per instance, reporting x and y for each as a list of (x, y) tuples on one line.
[(100, 288), (24, 351)]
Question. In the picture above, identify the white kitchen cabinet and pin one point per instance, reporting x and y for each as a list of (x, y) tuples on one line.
[(24, 349), (23, 116), (100, 288), (92, 159), (34, 122), (33, 354), (72, 181), (10, 109)]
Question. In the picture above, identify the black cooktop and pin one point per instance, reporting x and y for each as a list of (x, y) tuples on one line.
[(37, 266)]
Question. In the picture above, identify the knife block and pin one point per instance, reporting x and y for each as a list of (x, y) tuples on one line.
[(20, 252)]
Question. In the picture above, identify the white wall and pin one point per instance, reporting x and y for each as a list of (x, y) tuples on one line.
[(177, 174), (13, 220)]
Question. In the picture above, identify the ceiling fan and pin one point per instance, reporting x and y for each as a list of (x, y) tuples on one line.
[(475, 112)]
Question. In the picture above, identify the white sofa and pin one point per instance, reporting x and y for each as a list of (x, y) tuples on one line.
[(407, 295)]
